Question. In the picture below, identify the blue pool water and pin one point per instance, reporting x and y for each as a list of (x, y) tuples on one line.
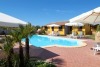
[(43, 40)]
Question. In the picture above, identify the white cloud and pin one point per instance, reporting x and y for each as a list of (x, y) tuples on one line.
[(58, 11)]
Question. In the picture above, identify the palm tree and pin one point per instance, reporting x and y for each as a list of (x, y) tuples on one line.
[(29, 30), (8, 49), (7, 46), (37, 27), (20, 33), (17, 35)]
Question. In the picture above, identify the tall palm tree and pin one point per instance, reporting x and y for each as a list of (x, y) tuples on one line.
[(8, 43), (18, 35), (8, 49), (29, 30)]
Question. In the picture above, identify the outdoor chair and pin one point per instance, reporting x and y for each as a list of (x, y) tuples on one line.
[(80, 35), (57, 33), (96, 48), (53, 33), (73, 35)]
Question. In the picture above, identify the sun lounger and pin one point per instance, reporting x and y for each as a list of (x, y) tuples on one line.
[(57, 33), (52, 33), (96, 48), (73, 35), (80, 35)]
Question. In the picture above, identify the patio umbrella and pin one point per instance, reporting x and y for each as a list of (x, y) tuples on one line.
[(74, 24), (9, 21), (91, 17), (53, 25)]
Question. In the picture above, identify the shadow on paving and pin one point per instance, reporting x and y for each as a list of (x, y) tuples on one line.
[(58, 61), (39, 52), (46, 55)]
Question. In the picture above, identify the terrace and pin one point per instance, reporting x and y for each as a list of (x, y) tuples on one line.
[(63, 56), (68, 57)]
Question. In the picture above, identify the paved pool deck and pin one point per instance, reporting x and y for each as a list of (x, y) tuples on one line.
[(70, 57)]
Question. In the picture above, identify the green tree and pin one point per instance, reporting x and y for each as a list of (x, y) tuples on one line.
[(8, 49), (28, 31), (98, 27), (17, 36), (37, 27)]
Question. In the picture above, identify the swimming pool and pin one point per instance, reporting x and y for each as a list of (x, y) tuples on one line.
[(45, 41)]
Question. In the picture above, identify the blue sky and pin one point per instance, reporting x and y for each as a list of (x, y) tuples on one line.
[(41, 12)]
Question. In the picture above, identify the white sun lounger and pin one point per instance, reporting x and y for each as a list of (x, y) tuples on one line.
[(80, 35), (52, 33), (96, 49), (73, 35)]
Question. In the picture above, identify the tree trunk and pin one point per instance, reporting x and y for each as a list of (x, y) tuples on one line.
[(21, 55), (27, 48), (12, 51), (9, 58)]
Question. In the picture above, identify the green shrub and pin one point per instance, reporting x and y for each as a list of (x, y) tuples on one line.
[(30, 63), (44, 64), (3, 63), (98, 27), (42, 32)]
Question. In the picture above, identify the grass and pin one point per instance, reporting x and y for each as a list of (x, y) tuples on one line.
[(90, 36)]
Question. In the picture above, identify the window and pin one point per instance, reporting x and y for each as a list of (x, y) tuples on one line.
[(46, 28), (80, 28), (60, 28), (94, 27), (52, 28)]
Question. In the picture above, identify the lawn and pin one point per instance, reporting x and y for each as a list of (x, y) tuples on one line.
[(90, 36)]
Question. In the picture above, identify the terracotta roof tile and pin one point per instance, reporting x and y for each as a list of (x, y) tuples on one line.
[(58, 23)]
